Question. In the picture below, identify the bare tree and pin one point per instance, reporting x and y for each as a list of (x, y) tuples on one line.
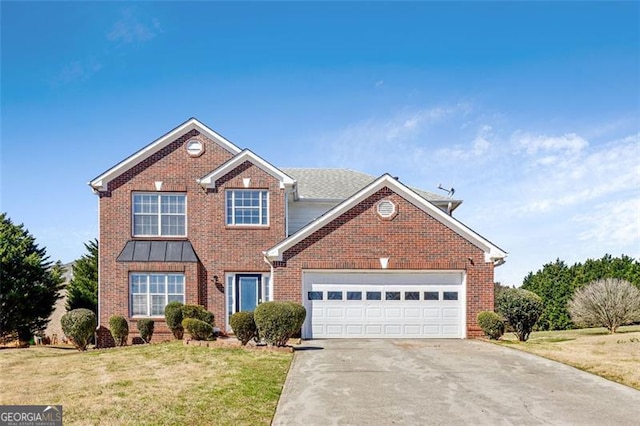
[(610, 302)]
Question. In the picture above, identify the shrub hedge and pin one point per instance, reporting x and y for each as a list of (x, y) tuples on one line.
[(491, 324), (521, 308), (145, 327), (198, 329), (79, 325), (198, 312), (278, 321), (119, 329), (173, 317), (244, 326)]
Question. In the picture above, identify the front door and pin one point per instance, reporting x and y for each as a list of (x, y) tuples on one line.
[(248, 292)]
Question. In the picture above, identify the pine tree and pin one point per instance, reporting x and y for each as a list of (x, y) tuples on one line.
[(30, 283), (82, 290)]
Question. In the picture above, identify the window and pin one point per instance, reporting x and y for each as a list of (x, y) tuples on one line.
[(246, 207), (374, 295), (431, 295), (159, 215), (449, 295), (150, 293), (411, 295), (354, 295), (334, 295), (315, 295), (391, 295)]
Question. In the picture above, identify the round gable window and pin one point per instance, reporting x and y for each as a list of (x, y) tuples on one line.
[(386, 208), (195, 148)]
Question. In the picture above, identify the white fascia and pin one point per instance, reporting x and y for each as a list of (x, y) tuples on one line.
[(101, 182), (492, 252), (209, 180)]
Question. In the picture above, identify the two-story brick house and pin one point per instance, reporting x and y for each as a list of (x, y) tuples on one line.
[(192, 217)]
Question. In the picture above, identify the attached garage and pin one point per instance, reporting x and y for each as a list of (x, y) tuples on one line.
[(390, 304)]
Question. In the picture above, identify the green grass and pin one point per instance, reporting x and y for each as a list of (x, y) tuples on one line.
[(612, 356), (167, 383)]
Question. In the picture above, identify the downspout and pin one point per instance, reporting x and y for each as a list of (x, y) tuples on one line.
[(449, 206), (272, 278)]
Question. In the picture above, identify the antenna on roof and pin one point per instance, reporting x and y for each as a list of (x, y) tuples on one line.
[(450, 191)]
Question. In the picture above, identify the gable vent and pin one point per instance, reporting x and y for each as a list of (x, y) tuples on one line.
[(386, 208)]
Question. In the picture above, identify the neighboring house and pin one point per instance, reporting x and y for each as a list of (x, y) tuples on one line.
[(193, 218), (54, 328)]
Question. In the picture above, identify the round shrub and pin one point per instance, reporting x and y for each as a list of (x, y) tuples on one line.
[(173, 317), (491, 324), (243, 326), (198, 329), (278, 321), (145, 327), (521, 309), (198, 312), (79, 325), (300, 314), (119, 329)]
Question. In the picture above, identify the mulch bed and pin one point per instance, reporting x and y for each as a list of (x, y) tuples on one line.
[(232, 342)]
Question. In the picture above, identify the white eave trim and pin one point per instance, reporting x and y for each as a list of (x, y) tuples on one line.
[(100, 183), (492, 252), (209, 181)]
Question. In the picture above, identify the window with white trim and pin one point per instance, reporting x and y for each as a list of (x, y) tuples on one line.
[(150, 293), (160, 214), (247, 207)]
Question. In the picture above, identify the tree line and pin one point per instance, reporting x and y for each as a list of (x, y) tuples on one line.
[(557, 282)]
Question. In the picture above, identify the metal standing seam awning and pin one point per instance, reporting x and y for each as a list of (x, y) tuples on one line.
[(157, 251)]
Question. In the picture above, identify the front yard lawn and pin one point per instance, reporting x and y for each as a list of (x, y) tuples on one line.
[(167, 383), (613, 356)]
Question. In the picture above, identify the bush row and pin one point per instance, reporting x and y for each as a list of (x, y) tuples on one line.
[(272, 322)]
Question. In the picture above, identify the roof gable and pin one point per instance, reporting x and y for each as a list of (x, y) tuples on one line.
[(492, 252), (101, 182), (210, 179)]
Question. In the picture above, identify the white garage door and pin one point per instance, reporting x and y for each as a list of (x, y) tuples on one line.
[(384, 305)]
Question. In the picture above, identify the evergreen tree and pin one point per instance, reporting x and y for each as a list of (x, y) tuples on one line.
[(82, 290), (556, 284), (29, 283)]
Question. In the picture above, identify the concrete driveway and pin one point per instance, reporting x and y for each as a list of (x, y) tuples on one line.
[(384, 382)]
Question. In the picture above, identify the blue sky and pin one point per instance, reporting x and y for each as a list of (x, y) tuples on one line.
[(530, 110)]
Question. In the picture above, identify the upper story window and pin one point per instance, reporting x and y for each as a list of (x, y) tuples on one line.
[(159, 215), (247, 207)]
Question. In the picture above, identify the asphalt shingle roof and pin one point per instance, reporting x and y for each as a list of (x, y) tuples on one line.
[(338, 184)]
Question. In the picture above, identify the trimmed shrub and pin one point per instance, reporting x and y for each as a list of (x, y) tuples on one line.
[(278, 321), (300, 314), (173, 317), (198, 312), (145, 327), (244, 326), (491, 324), (521, 309), (198, 329), (79, 325), (119, 329), (608, 303)]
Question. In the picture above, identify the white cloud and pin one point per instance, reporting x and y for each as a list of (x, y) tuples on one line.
[(479, 146), (129, 29), (612, 224), (77, 71), (569, 143)]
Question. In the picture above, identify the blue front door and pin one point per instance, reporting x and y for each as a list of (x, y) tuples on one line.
[(247, 292)]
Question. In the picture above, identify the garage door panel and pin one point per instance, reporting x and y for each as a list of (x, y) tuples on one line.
[(412, 313), (354, 313), (431, 312), (450, 312), (418, 305), (393, 312), (333, 313)]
